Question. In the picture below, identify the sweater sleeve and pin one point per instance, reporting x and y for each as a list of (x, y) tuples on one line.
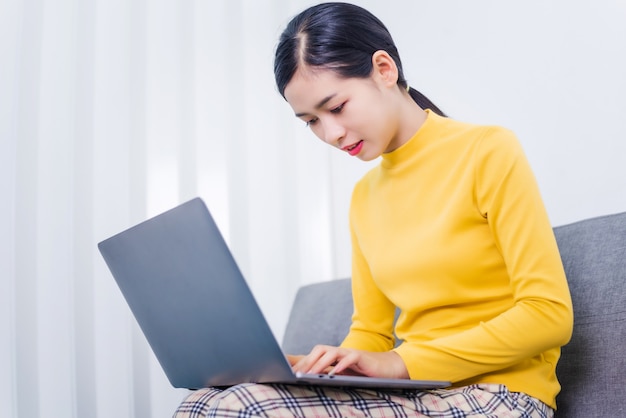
[(541, 318), (372, 320)]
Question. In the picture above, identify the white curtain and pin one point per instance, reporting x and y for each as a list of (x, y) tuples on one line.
[(112, 111)]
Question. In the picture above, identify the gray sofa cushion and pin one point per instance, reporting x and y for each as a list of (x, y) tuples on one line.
[(593, 365), (321, 314)]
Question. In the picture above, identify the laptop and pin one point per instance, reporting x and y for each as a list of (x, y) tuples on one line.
[(196, 310)]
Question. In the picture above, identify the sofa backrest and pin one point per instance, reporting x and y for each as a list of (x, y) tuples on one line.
[(321, 314), (592, 369)]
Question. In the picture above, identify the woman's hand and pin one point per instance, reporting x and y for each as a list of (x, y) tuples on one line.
[(293, 360), (337, 360)]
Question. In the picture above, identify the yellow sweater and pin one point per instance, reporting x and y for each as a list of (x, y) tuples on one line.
[(451, 228)]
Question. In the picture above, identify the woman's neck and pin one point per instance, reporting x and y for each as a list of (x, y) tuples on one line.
[(411, 118)]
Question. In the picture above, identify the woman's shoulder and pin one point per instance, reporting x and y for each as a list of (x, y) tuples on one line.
[(477, 129)]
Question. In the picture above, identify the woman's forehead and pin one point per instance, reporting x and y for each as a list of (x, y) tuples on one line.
[(307, 87)]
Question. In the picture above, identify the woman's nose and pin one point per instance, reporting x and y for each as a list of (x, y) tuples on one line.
[(333, 132)]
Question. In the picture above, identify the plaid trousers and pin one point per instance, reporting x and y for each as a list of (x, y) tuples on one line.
[(277, 400)]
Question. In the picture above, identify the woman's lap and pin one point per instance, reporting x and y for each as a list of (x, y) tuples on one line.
[(258, 400)]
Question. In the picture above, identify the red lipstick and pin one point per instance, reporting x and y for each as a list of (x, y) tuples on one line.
[(354, 149)]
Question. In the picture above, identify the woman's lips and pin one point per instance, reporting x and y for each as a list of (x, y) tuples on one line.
[(354, 149)]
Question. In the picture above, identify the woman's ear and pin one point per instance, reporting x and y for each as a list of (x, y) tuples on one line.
[(384, 68)]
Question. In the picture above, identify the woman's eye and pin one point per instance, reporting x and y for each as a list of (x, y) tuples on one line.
[(311, 122), (337, 109), (334, 110)]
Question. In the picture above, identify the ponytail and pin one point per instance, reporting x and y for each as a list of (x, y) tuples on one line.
[(424, 102)]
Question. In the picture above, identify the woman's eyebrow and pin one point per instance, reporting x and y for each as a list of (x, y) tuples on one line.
[(320, 104)]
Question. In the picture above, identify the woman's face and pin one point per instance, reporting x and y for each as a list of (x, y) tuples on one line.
[(356, 115)]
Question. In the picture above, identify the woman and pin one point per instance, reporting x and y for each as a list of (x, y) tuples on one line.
[(450, 228)]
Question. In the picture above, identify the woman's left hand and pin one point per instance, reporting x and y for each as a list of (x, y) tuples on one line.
[(338, 360)]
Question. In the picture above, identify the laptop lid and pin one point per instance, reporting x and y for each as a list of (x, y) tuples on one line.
[(196, 310), (191, 302)]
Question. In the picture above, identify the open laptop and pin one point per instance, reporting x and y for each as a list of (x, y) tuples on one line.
[(197, 312)]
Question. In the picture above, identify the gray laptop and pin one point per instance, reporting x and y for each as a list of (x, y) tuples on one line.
[(196, 310)]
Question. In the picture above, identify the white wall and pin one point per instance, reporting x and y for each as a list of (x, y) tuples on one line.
[(112, 111)]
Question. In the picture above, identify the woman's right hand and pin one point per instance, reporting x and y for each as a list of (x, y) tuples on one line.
[(338, 360), (294, 359)]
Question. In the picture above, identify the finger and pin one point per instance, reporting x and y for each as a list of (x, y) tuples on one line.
[(294, 359), (319, 359), (326, 361), (303, 364), (349, 362)]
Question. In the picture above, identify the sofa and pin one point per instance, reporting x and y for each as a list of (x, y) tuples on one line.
[(592, 369)]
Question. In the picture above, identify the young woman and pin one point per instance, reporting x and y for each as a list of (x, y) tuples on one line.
[(449, 227)]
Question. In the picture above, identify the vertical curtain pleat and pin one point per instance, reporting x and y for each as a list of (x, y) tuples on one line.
[(54, 210), (83, 231), (10, 34), (27, 340)]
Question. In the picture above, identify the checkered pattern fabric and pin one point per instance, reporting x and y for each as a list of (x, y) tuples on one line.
[(263, 400)]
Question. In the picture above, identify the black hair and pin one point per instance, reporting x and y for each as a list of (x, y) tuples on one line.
[(341, 37)]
